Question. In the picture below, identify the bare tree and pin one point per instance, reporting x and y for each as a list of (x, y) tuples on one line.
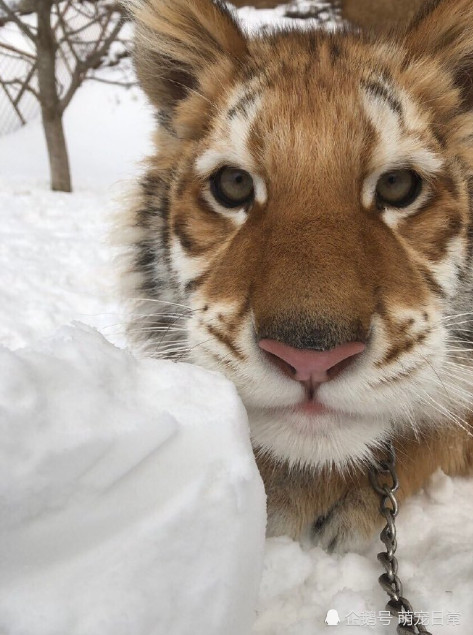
[(77, 34)]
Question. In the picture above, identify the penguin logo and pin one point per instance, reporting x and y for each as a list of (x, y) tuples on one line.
[(332, 618)]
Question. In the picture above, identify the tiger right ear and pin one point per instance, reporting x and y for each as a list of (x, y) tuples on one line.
[(176, 40), (444, 29)]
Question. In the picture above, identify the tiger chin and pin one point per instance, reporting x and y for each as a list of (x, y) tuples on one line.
[(304, 226)]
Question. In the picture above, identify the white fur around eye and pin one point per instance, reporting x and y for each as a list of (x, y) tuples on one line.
[(239, 214), (397, 147), (261, 193), (390, 214), (228, 146)]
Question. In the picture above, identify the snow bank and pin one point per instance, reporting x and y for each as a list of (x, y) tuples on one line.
[(435, 555), (131, 503), (55, 263)]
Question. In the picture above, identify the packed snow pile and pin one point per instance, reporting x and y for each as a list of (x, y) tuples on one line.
[(131, 502), (435, 554)]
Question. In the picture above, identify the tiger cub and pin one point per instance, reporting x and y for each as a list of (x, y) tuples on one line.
[(304, 226)]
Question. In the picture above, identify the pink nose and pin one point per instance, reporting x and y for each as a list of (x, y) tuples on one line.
[(311, 365)]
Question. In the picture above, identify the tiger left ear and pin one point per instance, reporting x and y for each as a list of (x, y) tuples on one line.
[(177, 40), (444, 29)]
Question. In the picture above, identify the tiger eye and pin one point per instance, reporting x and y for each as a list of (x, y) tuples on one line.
[(232, 187), (398, 188)]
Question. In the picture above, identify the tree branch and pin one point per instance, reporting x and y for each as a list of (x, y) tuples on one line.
[(68, 33), (91, 61), (60, 13), (14, 105), (26, 84), (64, 58), (19, 52), (13, 17), (116, 82), (65, 39), (24, 87)]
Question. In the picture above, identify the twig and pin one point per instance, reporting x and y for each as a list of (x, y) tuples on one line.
[(19, 52), (13, 17), (12, 101), (91, 61), (117, 82)]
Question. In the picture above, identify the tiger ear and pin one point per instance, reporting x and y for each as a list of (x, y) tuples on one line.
[(176, 40), (444, 29)]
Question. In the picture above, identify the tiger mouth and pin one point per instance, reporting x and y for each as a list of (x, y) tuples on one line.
[(312, 407)]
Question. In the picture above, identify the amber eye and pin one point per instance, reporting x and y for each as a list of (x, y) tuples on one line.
[(398, 188), (232, 187)]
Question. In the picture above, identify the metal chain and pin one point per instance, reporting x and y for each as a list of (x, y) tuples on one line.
[(398, 606)]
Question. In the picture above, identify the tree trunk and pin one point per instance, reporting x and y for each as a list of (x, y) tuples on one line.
[(57, 151), (50, 105)]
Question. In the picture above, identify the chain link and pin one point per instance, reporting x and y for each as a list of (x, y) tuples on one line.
[(385, 482)]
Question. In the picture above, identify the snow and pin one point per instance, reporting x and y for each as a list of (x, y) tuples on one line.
[(324, 12), (55, 247), (100, 123), (435, 565), (54, 262), (130, 501), (125, 509)]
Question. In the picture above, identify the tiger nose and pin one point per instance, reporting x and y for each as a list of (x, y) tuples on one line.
[(316, 366)]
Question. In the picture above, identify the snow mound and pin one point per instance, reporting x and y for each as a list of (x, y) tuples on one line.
[(131, 502), (435, 555)]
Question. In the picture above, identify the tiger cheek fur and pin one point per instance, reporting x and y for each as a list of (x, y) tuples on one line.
[(305, 227)]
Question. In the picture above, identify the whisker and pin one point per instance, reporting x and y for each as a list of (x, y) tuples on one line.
[(451, 361), (467, 359), (157, 329), (171, 347), (459, 376), (456, 316), (182, 343), (465, 396), (159, 301), (177, 316), (456, 324), (442, 410)]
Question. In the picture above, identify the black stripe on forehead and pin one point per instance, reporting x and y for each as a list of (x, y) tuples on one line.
[(380, 91), (243, 104)]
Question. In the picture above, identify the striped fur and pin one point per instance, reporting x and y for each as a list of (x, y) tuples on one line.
[(316, 118)]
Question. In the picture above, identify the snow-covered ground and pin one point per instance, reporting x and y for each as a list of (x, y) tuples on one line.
[(127, 508)]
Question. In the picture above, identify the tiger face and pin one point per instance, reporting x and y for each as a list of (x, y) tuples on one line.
[(304, 226)]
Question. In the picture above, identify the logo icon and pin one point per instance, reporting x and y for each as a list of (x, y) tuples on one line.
[(332, 618)]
